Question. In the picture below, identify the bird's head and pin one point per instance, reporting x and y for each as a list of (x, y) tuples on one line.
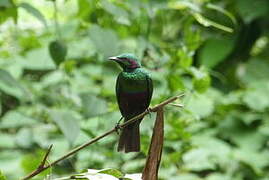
[(127, 61)]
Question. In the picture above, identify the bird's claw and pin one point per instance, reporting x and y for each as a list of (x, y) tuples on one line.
[(149, 110), (117, 127)]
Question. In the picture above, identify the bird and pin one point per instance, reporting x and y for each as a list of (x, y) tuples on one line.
[(134, 88)]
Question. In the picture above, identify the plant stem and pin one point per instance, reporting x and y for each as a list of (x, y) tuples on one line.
[(75, 150)]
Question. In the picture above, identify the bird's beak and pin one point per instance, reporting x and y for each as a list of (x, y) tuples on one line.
[(114, 58)]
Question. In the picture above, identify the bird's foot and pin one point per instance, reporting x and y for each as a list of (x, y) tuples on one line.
[(149, 110), (117, 127)]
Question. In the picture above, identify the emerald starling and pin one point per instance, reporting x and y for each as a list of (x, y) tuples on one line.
[(134, 91)]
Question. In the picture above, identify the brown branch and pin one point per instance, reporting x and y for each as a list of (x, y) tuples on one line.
[(75, 150), (42, 164), (151, 168), (41, 167)]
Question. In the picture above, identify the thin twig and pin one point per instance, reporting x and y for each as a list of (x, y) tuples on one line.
[(75, 150), (42, 164)]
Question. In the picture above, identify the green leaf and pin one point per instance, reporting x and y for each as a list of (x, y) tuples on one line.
[(7, 140), (68, 122), (207, 23), (38, 59), (185, 58), (250, 11), (114, 172), (215, 51), (223, 11), (92, 105), (10, 161), (14, 119), (181, 5), (120, 15), (256, 160), (254, 70), (200, 105), (202, 84), (5, 3), (58, 51), (175, 82), (105, 41), (24, 138), (209, 153), (10, 86), (8, 9), (256, 98), (2, 177), (201, 80), (33, 11), (31, 161)]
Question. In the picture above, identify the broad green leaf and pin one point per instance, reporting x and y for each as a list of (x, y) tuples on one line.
[(200, 105), (198, 160), (5, 3), (256, 98), (250, 11), (185, 176), (31, 161), (232, 128), (58, 51), (52, 78), (2, 176), (93, 174), (33, 11), (24, 138), (220, 9), (120, 15), (219, 176), (92, 105), (201, 80), (181, 5), (14, 119), (105, 41), (114, 172), (256, 160), (68, 122), (10, 161), (202, 84), (11, 86), (215, 150), (185, 58), (214, 51), (38, 59), (207, 23), (254, 70), (175, 82), (8, 9), (81, 48), (7, 141)]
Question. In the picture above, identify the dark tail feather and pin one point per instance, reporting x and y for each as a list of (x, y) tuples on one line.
[(130, 139)]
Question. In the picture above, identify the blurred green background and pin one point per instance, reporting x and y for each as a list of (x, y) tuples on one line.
[(62, 93)]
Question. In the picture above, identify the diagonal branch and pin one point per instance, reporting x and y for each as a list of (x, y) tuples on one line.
[(75, 150), (42, 164)]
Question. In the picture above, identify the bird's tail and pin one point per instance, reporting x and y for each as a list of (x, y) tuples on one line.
[(130, 138)]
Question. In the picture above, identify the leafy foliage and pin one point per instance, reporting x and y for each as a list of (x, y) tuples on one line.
[(214, 51)]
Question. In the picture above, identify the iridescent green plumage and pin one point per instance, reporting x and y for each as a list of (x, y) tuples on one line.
[(134, 91)]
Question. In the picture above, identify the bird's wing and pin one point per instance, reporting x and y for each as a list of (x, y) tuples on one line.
[(149, 89), (119, 92), (118, 88)]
